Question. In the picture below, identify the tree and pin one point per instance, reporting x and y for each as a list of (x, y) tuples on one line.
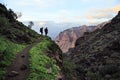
[(30, 24), (19, 14), (11, 15)]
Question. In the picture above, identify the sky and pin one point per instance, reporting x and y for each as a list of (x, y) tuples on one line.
[(61, 11)]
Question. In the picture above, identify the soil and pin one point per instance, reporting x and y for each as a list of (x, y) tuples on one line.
[(22, 58)]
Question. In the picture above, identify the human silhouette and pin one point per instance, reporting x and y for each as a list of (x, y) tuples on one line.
[(46, 31), (41, 30)]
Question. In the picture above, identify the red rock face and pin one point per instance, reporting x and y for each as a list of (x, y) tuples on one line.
[(67, 38)]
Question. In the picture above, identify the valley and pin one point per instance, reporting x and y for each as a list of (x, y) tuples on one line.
[(77, 53)]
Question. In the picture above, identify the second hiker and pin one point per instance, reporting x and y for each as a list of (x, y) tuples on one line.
[(46, 31)]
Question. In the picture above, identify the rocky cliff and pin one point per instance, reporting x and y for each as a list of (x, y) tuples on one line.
[(67, 38), (96, 55)]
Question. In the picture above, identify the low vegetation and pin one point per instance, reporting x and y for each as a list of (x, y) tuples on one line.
[(43, 67), (8, 51)]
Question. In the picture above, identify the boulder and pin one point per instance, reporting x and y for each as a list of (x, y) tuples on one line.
[(23, 67), (22, 56), (13, 74)]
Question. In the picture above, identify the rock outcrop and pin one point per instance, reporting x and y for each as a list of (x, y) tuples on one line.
[(101, 25)]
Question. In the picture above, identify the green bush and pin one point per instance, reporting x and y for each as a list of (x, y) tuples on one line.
[(94, 76), (68, 67), (4, 21), (109, 69)]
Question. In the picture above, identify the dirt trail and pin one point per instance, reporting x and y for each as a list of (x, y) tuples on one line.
[(21, 62)]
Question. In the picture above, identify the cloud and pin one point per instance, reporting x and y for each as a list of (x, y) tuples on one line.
[(95, 18), (106, 13), (114, 9), (101, 15)]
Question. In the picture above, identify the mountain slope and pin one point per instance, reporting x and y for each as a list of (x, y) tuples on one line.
[(13, 29), (14, 37), (96, 55)]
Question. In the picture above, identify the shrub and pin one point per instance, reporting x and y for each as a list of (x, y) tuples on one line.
[(94, 76), (109, 69), (4, 21)]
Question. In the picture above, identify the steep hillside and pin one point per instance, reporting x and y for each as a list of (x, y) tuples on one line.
[(96, 55), (67, 38), (14, 30), (15, 38)]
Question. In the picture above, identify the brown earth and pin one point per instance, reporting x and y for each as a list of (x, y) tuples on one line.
[(19, 69)]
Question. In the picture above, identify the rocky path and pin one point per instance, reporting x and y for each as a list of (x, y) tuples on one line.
[(19, 69)]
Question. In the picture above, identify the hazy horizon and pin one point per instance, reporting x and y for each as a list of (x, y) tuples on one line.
[(53, 28)]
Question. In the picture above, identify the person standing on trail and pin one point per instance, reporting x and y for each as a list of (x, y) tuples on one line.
[(46, 31), (41, 30)]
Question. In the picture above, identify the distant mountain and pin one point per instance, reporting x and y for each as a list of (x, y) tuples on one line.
[(96, 55)]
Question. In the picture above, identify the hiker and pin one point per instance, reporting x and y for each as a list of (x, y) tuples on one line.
[(46, 31), (41, 30)]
